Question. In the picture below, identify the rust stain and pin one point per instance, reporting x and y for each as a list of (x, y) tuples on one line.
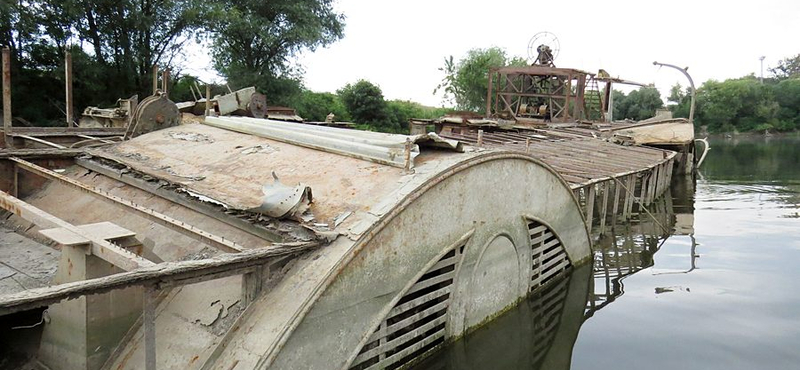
[(194, 358)]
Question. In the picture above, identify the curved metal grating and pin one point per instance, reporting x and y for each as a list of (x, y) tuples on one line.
[(549, 259), (416, 324)]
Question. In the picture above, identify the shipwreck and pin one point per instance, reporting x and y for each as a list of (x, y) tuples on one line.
[(231, 242)]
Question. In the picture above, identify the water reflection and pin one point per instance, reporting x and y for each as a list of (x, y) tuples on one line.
[(541, 331)]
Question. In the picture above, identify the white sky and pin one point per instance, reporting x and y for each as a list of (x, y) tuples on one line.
[(400, 45)]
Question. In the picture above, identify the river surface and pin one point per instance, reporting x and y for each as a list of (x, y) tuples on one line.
[(712, 281)]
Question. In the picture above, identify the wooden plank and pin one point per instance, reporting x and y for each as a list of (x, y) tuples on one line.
[(419, 301), (104, 230), (629, 195), (537, 230), (215, 241), (101, 248), (161, 274), (41, 141), (200, 207), (540, 239), (432, 281), (406, 351), (444, 263), (394, 343), (7, 126), (604, 207), (36, 153), (615, 208), (70, 132), (552, 252), (402, 324), (590, 198)]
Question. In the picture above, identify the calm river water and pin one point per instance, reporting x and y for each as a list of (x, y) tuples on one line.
[(719, 290)]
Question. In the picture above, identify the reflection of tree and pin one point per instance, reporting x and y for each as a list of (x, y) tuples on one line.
[(745, 158)]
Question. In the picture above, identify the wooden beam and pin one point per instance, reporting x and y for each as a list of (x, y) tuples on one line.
[(41, 141), (149, 323), (35, 153), (68, 86), (215, 241), (169, 273), (207, 209), (73, 131), (9, 140), (101, 248)]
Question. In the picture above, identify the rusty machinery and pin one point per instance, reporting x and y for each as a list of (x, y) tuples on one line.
[(542, 92), (155, 112), (109, 117), (244, 102)]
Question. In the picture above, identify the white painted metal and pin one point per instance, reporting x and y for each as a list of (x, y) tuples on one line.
[(378, 147)]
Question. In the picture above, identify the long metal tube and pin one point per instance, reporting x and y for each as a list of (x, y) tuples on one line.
[(691, 83)]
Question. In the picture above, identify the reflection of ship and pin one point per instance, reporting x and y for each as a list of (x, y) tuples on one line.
[(541, 332)]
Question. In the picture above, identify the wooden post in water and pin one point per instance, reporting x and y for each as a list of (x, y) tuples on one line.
[(7, 98), (590, 196), (604, 207), (631, 195), (615, 208)]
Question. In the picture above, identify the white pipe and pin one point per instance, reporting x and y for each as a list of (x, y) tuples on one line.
[(706, 147)]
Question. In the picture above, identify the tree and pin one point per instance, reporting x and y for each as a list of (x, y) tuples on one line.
[(466, 83), (787, 68), (743, 104), (364, 100), (315, 106), (638, 105), (255, 41)]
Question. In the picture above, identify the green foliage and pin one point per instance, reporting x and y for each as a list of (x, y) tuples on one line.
[(315, 106), (787, 68), (255, 41), (120, 41), (364, 100), (682, 100), (638, 105), (466, 83), (744, 103)]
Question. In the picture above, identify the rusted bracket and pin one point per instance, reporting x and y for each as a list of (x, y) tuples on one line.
[(215, 241)]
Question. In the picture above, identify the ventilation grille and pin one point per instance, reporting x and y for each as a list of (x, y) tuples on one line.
[(549, 257), (416, 324)]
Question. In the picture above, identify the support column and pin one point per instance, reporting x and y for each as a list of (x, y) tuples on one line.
[(604, 206), (68, 86), (7, 98), (155, 78), (149, 323), (251, 286), (83, 332), (590, 196), (165, 82), (615, 209)]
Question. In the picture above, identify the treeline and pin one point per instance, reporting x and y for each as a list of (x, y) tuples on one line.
[(114, 45), (746, 103), (362, 102)]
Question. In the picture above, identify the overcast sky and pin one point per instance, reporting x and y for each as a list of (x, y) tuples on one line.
[(400, 45)]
